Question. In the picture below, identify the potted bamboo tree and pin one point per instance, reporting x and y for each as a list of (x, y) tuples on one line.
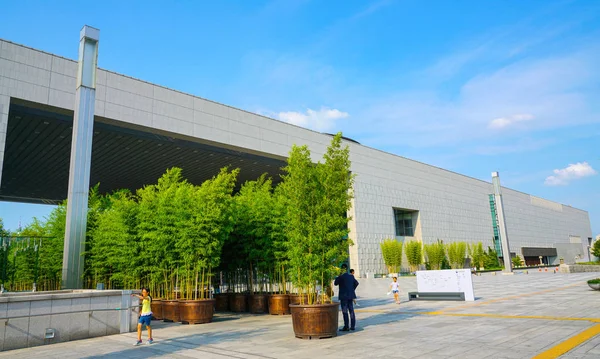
[(235, 253), (203, 232), (255, 205), (279, 299), (318, 200), (159, 221)]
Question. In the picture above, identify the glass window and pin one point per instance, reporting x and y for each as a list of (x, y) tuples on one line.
[(404, 223)]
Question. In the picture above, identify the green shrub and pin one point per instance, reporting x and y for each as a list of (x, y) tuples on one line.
[(490, 259), (391, 250), (456, 254), (435, 253), (477, 255), (414, 254), (516, 261), (596, 249), (594, 281)]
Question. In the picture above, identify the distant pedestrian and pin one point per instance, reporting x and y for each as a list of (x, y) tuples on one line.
[(354, 300), (145, 316), (346, 295), (395, 288)]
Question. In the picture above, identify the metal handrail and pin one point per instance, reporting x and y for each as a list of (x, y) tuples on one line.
[(72, 312)]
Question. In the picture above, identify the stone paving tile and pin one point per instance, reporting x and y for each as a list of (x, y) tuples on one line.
[(385, 329)]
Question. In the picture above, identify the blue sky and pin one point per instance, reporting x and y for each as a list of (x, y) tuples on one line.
[(471, 86)]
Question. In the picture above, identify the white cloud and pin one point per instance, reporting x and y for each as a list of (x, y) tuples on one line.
[(558, 90), (575, 171), (503, 122), (321, 120)]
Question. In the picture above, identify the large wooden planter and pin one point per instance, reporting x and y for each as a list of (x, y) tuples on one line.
[(258, 303), (196, 311), (157, 311), (170, 310), (315, 321), (298, 298), (221, 302), (238, 303), (279, 304)]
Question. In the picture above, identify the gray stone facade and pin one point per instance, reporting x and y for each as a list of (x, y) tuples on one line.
[(451, 206)]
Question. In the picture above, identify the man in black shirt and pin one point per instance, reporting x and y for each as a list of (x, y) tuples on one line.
[(346, 295)]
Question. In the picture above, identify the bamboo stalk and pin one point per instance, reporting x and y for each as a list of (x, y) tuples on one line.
[(196, 297)]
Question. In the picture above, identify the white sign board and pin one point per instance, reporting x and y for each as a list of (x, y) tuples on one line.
[(447, 280)]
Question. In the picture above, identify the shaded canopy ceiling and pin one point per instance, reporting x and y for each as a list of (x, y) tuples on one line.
[(38, 146)]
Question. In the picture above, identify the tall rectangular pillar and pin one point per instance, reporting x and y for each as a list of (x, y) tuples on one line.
[(501, 222), (81, 157), (4, 105)]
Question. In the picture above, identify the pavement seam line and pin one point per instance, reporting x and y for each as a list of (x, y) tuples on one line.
[(569, 344), (505, 298), (482, 315)]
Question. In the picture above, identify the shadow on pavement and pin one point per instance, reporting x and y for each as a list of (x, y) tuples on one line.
[(201, 342), (366, 303), (401, 314)]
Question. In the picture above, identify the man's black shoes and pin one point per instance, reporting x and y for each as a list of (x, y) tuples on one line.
[(352, 329), (344, 329)]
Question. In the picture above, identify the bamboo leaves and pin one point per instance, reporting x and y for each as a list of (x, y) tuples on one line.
[(414, 254), (317, 199), (391, 250), (456, 254), (435, 253)]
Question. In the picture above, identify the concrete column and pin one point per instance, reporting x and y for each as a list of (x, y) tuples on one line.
[(501, 222), (127, 302), (81, 157), (4, 105)]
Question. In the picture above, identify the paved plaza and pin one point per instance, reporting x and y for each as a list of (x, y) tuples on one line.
[(534, 315)]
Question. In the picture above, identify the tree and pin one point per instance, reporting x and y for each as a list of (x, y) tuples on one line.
[(3, 232), (318, 198), (490, 259), (51, 251), (477, 255), (114, 258), (435, 253), (596, 249), (391, 250), (516, 261), (254, 215), (414, 254), (204, 229), (279, 240), (97, 204), (161, 213), (456, 254)]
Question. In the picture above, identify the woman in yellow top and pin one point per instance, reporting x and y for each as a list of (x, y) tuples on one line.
[(145, 315)]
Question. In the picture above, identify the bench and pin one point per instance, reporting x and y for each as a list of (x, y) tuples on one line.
[(436, 296)]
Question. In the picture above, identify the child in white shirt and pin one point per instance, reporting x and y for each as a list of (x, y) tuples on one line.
[(394, 286)]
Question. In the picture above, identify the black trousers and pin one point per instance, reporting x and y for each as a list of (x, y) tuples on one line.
[(348, 306)]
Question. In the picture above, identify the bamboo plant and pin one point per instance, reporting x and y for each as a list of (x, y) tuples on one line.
[(318, 198), (204, 230), (435, 253), (391, 250)]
